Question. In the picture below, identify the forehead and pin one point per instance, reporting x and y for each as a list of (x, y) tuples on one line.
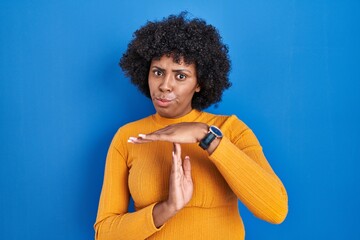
[(169, 61)]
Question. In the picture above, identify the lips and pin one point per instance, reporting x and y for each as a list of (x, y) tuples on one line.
[(163, 102)]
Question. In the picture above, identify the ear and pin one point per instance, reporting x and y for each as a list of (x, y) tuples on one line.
[(198, 88)]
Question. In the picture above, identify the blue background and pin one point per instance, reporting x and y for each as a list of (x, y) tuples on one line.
[(296, 82)]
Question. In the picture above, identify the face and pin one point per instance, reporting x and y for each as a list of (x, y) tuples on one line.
[(172, 86)]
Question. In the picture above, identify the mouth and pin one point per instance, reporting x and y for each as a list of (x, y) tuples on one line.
[(163, 102)]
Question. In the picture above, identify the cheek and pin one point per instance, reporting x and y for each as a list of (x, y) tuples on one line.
[(187, 94), (151, 85)]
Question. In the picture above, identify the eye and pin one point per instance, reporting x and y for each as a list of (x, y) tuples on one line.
[(157, 72), (181, 76)]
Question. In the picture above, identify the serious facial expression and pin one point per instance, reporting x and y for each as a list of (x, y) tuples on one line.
[(172, 86)]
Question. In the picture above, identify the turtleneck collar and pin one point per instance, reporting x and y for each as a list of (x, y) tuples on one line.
[(190, 117)]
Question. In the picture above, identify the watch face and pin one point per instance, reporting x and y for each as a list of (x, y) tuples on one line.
[(216, 131)]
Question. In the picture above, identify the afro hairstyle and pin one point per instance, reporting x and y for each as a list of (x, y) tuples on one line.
[(192, 40)]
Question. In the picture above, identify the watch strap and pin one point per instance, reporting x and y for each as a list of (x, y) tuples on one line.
[(206, 141), (214, 132)]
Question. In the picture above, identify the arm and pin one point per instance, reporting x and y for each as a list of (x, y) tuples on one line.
[(113, 221), (239, 158), (246, 170)]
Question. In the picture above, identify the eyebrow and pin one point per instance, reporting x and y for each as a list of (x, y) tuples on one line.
[(175, 70)]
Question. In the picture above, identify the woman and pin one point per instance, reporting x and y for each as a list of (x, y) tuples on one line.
[(184, 168)]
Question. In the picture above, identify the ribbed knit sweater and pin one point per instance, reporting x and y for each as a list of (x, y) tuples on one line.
[(237, 169)]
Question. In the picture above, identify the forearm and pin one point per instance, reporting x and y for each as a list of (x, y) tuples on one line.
[(260, 190), (113, 221), (126, 226)]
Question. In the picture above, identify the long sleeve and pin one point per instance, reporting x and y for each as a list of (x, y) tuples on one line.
[(113, 220), (243, 165), (237, 169)]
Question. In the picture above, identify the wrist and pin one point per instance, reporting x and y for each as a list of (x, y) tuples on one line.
[(213, 145), (170, 209), (211, 139), (162, 212), (203, 130)]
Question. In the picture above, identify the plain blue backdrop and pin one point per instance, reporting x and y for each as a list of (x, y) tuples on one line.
[(296, 83)]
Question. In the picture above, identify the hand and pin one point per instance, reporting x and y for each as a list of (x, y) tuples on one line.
[(180, 188), (185, 132), (180, 183)]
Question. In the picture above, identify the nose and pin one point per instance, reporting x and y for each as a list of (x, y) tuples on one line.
[(166, 84)]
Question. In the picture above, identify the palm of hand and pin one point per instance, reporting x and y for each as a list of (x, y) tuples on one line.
[(181, 184)]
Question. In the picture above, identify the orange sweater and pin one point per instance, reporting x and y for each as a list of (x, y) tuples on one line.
[(237, 169)]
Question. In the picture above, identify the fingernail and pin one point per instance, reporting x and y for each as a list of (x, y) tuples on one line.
[(142, 135), (187, 157), (130, 141)]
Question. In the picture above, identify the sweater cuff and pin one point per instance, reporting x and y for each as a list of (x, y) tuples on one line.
[(147, 227), (150, 219)]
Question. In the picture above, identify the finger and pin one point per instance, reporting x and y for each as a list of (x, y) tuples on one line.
[(149, 137), (163, 134), (177, 147), (177, 162), (155, 136), (174, 160), (176, 167), (177, 150), (137, 140), (187, 168)]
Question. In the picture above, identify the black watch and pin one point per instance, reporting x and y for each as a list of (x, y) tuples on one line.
[(214, 132)]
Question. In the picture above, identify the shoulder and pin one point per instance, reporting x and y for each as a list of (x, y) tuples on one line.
[(135, 125), (223, 120), (132, 129), (230, 125)]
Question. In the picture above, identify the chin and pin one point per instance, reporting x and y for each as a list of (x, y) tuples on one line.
[(166, 114)]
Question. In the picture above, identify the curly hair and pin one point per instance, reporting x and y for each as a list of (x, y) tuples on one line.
[(192, 40)]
